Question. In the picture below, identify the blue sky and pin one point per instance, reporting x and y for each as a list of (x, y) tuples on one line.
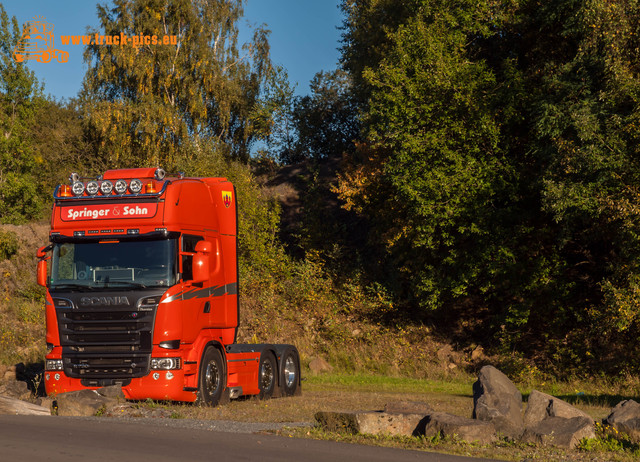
[(304, 37)]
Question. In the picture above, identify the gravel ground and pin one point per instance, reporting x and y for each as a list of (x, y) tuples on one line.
[(212, 425)]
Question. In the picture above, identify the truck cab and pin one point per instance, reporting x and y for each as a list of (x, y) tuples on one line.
[(142, 292)]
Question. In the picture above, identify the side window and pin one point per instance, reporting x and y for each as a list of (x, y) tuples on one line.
[(188, 246)]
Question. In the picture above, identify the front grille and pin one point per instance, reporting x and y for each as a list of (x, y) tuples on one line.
[(109, 342)]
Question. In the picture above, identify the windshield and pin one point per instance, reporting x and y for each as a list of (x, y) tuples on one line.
[(114, 264)]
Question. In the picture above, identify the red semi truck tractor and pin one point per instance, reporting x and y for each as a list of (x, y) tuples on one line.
[(142, 292)]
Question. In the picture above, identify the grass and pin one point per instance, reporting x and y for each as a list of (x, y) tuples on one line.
[(377, 363), (342, 392)]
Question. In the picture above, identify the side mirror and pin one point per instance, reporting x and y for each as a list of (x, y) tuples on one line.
[(42, 265), (201, 261), (42, 273)]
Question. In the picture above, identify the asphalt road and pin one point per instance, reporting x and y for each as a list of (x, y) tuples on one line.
[(68, 439)]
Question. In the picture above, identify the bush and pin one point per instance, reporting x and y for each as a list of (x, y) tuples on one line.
[(8, 244)]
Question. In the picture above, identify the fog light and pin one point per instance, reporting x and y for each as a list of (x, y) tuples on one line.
[(169, 375), (57, 376), (156, 376)]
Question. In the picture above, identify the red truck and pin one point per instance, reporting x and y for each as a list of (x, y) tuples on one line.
[(142, 292)]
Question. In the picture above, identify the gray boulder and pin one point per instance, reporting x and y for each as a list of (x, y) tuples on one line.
[(113, 391), (372, 423), (541, 406), (15, 389), (497, 400), (81, 403), (625, 418), (560, 432), (448, 425), (13, 406), (319, 365)]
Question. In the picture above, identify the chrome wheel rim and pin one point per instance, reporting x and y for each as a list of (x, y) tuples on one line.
[(266, 375), (289, 371), (212, 379)]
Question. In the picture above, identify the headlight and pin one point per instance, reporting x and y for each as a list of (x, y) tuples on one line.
[(106, 187), (135, 186), (78, 188), (53, 365), (121, 186), (165, 364), (93, 188)]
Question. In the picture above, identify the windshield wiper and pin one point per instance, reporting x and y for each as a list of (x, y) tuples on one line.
[(71, 287), (130, 283)]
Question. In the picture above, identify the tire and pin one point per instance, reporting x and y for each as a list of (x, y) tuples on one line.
[(289, 372), (45, 57), (211, 380), (267, 375)]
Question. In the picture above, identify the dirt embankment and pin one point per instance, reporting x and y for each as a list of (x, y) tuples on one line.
[(17, 273)]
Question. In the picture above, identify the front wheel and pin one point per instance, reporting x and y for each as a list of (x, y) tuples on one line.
[(211, 378)]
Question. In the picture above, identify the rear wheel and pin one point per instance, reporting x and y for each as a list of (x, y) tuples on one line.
[(267, 375), (289, 372), (211, 380)]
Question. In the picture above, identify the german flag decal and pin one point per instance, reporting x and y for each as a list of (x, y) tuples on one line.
[(227, 197)]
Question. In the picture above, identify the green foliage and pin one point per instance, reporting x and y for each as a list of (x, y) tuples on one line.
[(498, 170), (160, 105), (325, 121), (8, 244), (20, 97), (609, 439)]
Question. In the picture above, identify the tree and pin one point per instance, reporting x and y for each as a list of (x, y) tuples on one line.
[(498, 166), (326, 122), (20, 97), (160, 104)]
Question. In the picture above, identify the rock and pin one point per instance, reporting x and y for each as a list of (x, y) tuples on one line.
[(81, 403), (372, 423), (15, 389), (113, 391), (560, 432), (15, 406), (478, 354), (408, 407), (9, 376), (625, 418), (466, 429), (445, 353), (318, 365), (540, 406), (497, 400)]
